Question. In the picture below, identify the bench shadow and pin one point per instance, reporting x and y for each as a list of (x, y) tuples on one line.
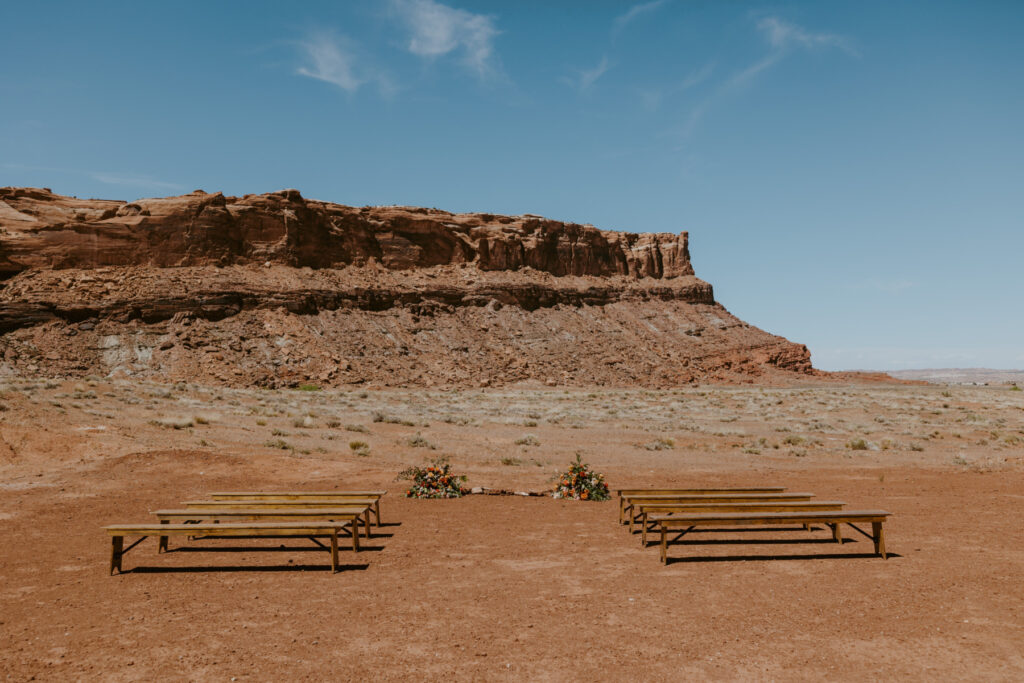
[(756, 529), (245, 568), (752, 541), (267, 549), (773, 558)]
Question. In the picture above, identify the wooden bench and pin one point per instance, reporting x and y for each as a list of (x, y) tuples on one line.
[(645, 509), (833, 519), (300, 496), (262, 504), (621, 493), (262, 529), (630, 500), (354, 515)]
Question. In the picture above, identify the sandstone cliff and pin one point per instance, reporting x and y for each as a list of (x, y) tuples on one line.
[(276, 289)]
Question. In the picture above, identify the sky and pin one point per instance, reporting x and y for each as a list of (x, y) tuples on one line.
[(851, 173)]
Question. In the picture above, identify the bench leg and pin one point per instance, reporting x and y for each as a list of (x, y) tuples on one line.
[(807, 526), (879, 538), (367, 525), (162, 545), (334, 551), (354, 528), (664, 546), (643, 532), (621, 509), (116, 547), (376, 511), (837, 533)]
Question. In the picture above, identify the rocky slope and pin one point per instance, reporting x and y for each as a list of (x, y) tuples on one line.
[(277, 290)]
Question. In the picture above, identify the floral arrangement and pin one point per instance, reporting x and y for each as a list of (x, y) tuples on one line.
[(580, 482), (434, 481)]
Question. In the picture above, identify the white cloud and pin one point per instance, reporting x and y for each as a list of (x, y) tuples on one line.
[(332, 59), (783, 35), (587, 77), (635, 11), (329, 60), (437, 30)]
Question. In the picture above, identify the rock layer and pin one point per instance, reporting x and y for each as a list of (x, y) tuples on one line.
[(276, 289)]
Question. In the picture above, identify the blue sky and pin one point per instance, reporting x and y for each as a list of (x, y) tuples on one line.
[(851, 174)]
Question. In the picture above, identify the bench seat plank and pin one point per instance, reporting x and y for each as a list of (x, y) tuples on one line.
[(628, 501), (353, 513), (644, 510), (299, 496), (696, 491), (833, 519)]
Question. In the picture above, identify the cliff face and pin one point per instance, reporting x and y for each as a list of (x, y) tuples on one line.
[(44, 230), (275, 289)]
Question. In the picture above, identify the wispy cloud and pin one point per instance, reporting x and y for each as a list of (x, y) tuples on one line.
[(653, 97), (623, 20), (133, 180), (783, 35), (329, 59), (584, 78), (436, 30), (332, 58)]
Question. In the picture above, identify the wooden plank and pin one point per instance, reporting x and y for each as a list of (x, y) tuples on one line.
[(292, 495), (833, 519), (117, 545), (308, 528), (718, 497), (257, 513), (279, 504), (629, 501), (644, 510), (725, 489), (726, 518)]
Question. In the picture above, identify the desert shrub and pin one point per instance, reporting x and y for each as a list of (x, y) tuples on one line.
[(916, 447), (857, 445), (660, 445), (1014, 387), (357, 428), (511, 462), (528, 440), (278, 432), (391, 419), (793, 440), (332, 424), (580, 482), (279, 443), (359, 447), (419, 442), (436, 480), (308, 387)]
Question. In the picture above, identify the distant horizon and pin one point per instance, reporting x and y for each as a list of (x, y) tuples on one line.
[(849, 175)]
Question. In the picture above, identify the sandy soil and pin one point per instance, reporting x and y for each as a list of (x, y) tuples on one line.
[(492, 587)]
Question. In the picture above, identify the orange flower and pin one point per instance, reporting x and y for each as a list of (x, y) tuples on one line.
[(583, 495)]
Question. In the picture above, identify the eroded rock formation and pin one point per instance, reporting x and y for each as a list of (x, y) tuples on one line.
[(275, 289)]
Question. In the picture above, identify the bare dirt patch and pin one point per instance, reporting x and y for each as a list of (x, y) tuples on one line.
[(513, 587)]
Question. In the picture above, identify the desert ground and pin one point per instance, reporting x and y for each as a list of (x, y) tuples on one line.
[(512, 587)]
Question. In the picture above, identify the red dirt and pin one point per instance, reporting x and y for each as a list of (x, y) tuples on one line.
[(510, 587), (495, 587)]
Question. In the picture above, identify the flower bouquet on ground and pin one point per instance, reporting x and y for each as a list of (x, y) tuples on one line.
[(580, 482), (434, 481)]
